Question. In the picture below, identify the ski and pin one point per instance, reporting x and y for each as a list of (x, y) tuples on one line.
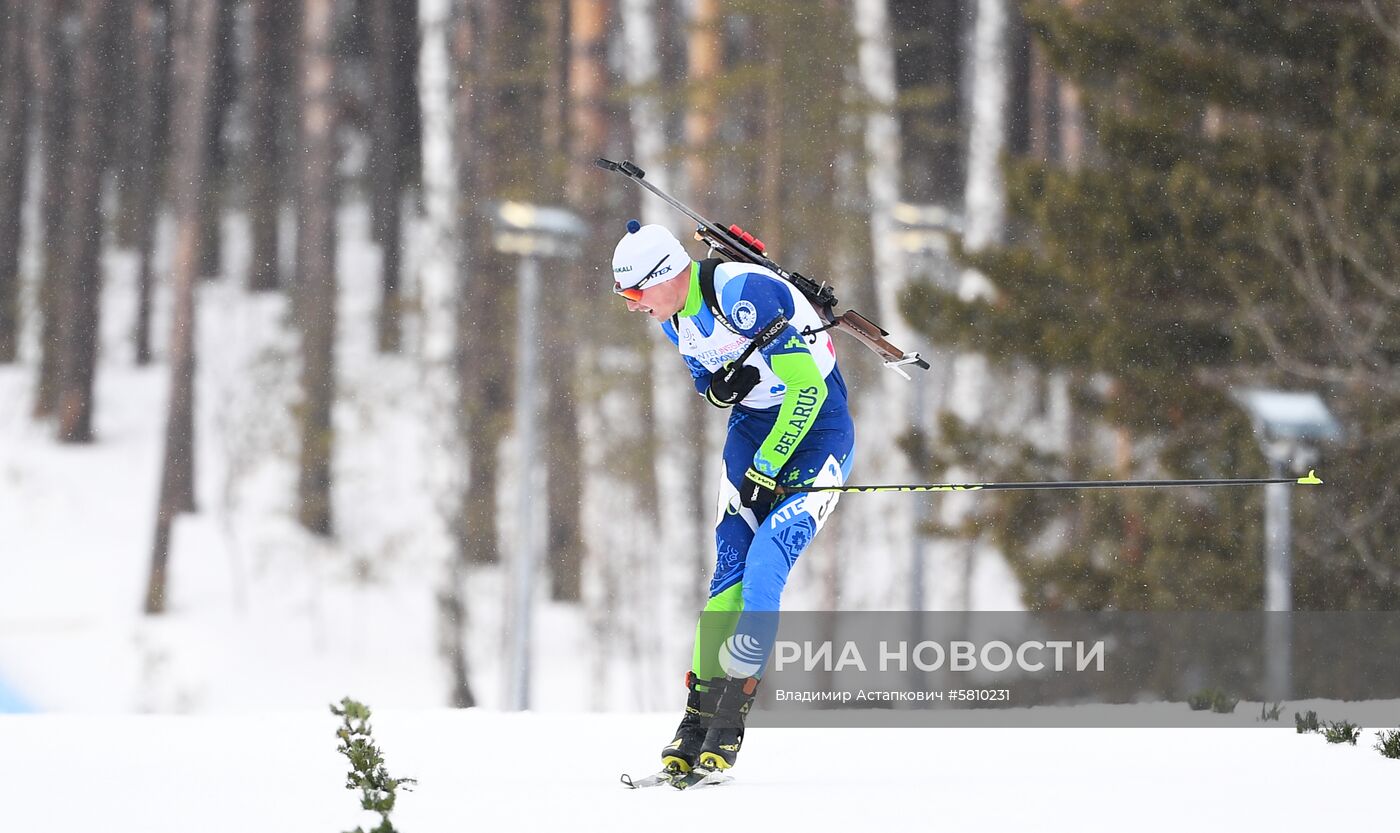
[(656, 779), (700, 777), (733, 243)]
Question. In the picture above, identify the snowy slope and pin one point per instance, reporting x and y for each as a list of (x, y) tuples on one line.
[(488, 771)]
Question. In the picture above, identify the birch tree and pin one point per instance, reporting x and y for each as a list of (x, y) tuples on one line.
[(674, 405), (894, 524), (439, 288), (985, 196)]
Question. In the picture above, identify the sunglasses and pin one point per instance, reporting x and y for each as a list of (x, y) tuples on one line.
[(634, 293), (631, 293)]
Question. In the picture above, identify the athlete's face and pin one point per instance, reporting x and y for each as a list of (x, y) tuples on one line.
[(661, 301)]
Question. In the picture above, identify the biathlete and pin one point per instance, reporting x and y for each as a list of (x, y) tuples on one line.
[(756, 346)]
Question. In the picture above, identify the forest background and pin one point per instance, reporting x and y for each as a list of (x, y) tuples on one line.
[(259, 350)]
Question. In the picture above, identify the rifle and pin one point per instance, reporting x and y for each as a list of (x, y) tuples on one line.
[(735, 244)]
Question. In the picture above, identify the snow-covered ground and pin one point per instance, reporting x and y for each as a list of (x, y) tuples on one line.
[(479, 770)]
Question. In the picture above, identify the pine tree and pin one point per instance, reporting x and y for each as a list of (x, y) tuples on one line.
[(316, 269), (150, 92), (195, 24), (82, 283), (1231, 226), (272, 32), (53, 80)]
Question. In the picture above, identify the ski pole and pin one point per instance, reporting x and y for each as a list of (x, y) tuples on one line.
[(1310, 480)]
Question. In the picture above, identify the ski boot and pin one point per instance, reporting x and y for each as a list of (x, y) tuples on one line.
[(726, 734), (680, 754)]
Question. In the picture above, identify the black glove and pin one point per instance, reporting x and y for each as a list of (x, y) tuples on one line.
[(730, 384), (758, 491)]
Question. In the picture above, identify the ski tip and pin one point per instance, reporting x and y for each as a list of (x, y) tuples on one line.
[(1311, 480)]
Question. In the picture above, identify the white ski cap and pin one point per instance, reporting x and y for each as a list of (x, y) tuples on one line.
[(648, 252)]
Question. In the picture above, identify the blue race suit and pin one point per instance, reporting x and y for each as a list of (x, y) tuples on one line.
[(794, 426)]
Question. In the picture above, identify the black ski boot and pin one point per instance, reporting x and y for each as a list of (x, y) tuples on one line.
[(726, 735), (681, 753)]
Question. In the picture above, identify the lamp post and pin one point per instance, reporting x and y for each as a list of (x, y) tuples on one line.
[(1286, 423), (530, 232)]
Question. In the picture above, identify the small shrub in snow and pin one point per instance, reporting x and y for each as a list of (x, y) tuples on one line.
[(1344, 732), (1388, 743), (1306, 722), (1212, 699), (378, 791), (1270, 712)]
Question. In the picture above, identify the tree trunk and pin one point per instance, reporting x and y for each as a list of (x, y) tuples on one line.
[(703, 62), (553, 118), (483, 351), (266, 96), (14, 128), (439, 287), (564, 536), (52, 63), (986, 187), (122, 142), (1043, 106), (316, 281), (674, 404), (224, 85), (564, 484), (1071, 119), (195, 25), (145, 176), (896, 525), (586, 137), (385, 172), (81, 307)]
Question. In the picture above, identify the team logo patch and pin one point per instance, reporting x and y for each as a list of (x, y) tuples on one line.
[(744, 315)]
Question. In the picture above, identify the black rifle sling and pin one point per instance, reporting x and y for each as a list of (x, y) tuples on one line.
[(707, 292)]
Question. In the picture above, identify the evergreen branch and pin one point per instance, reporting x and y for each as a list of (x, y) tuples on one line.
[(378, 790)]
